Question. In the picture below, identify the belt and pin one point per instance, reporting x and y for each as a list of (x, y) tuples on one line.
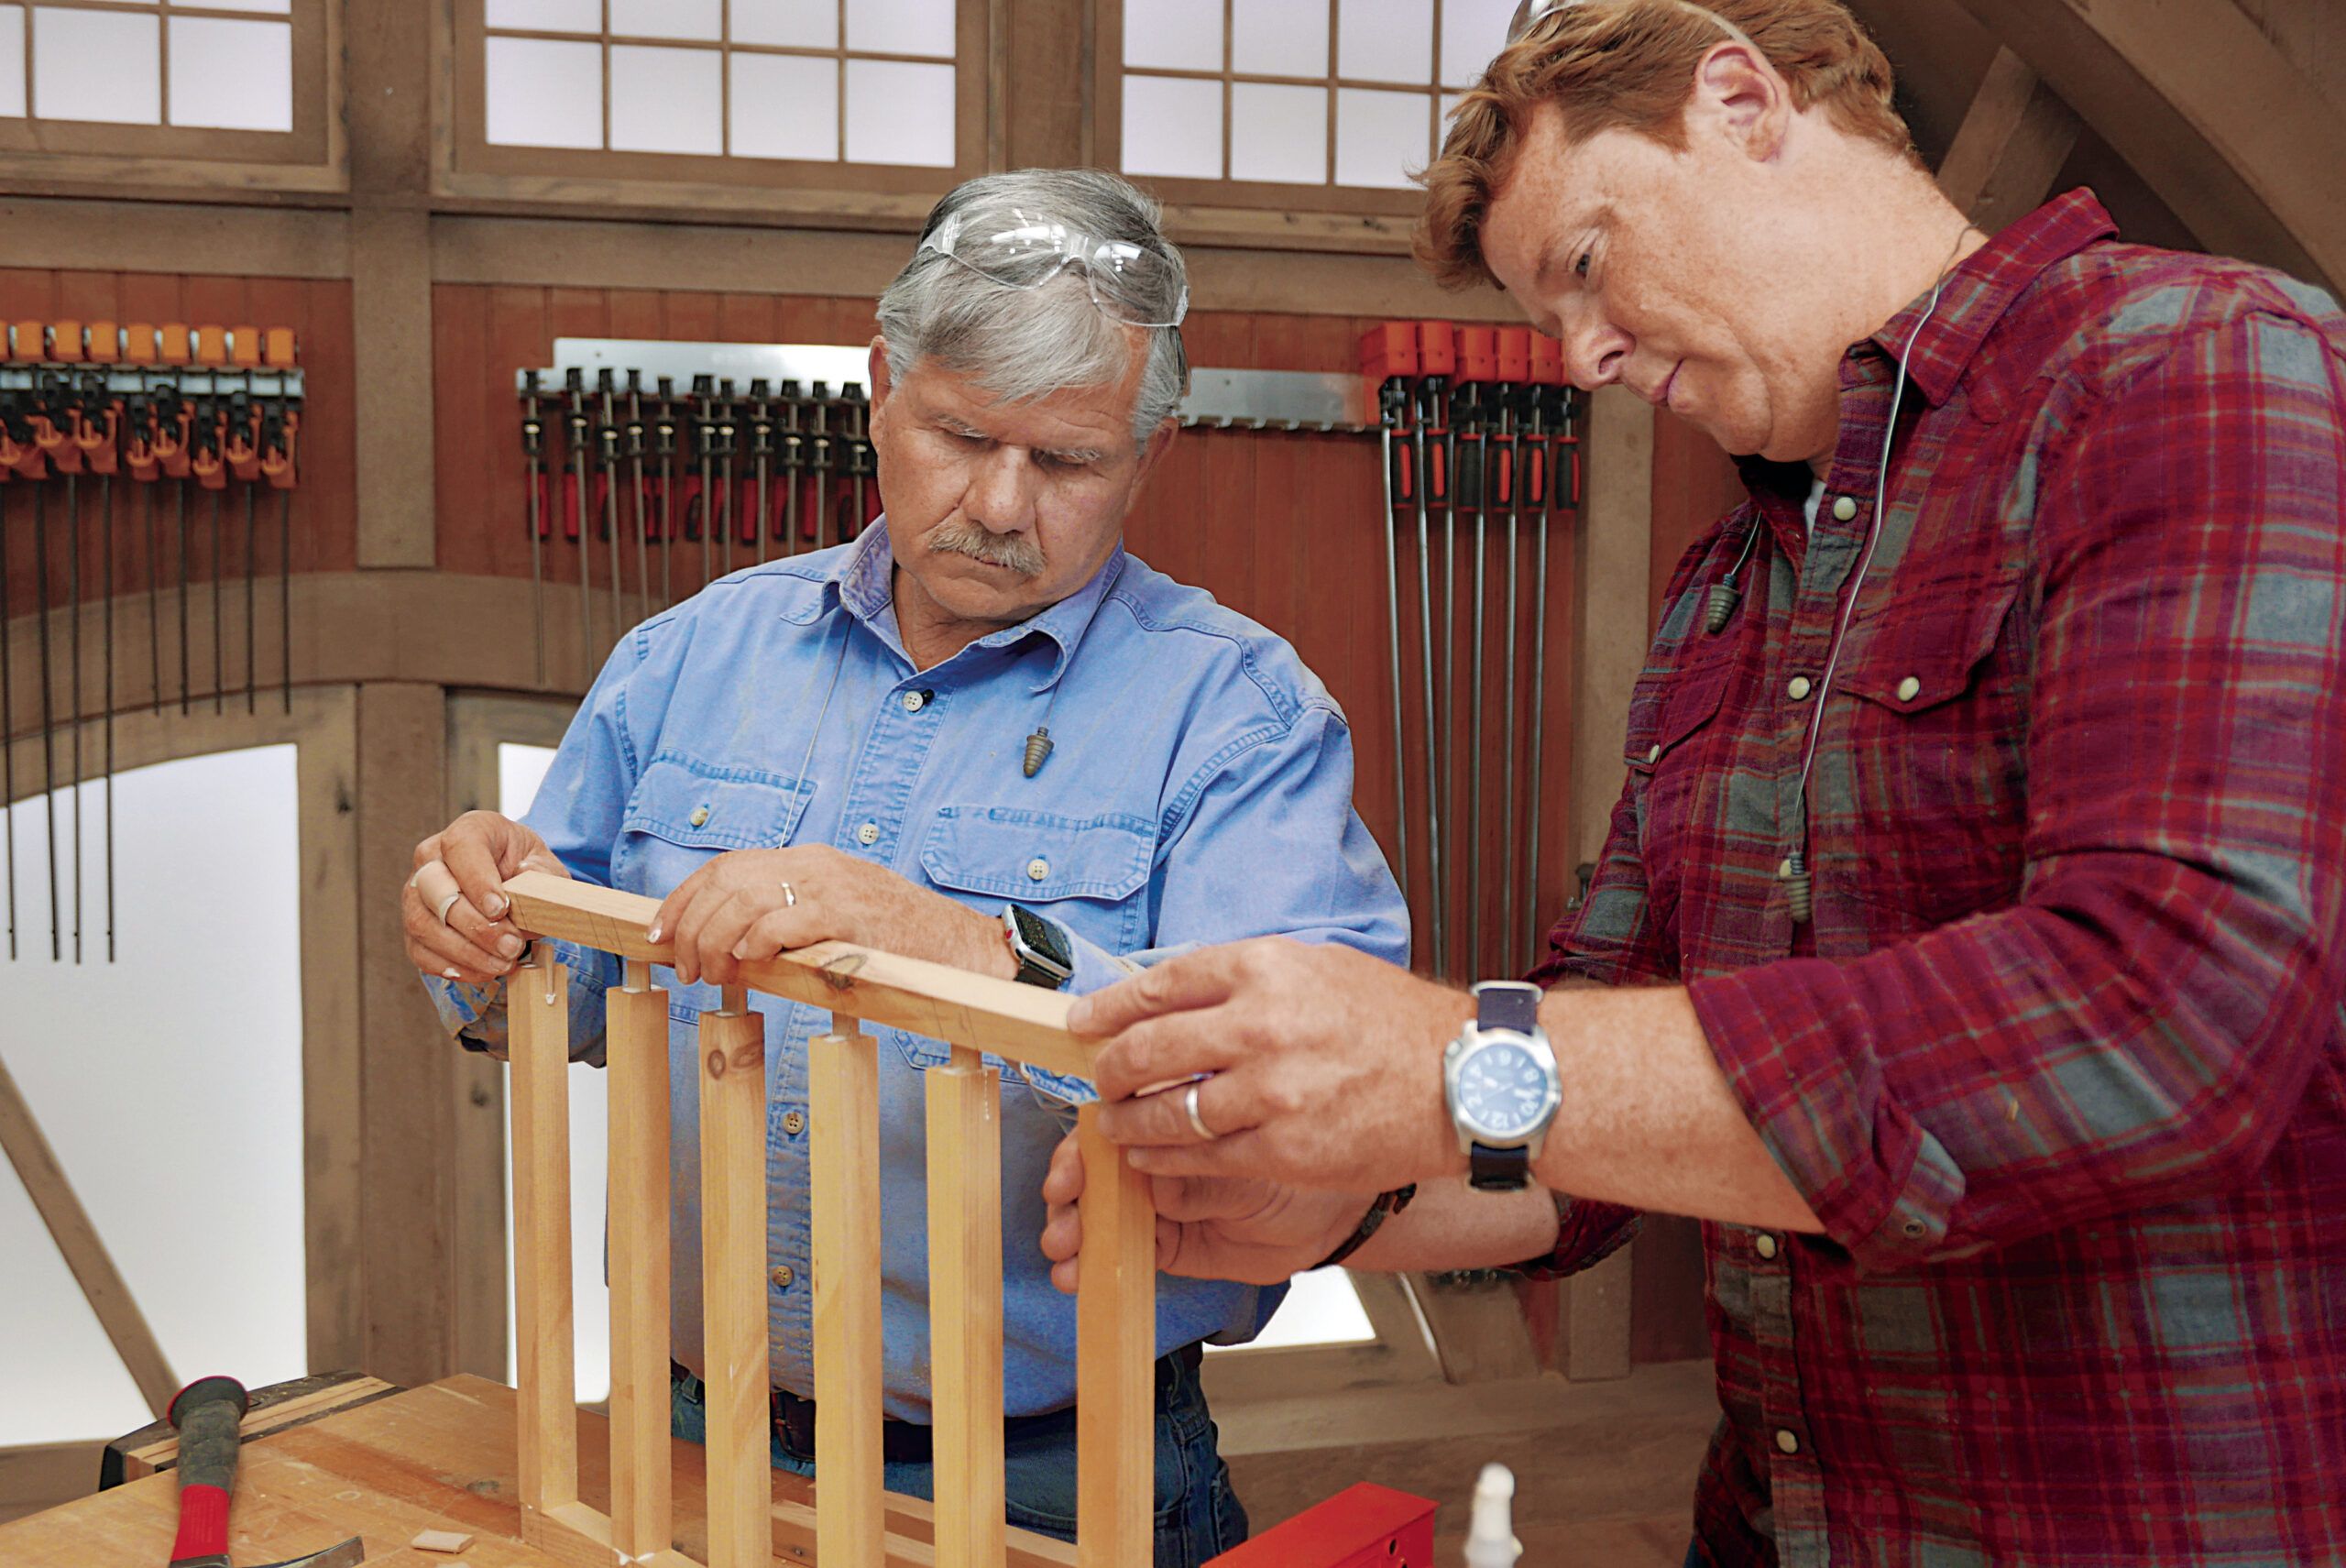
[(910, 1443)]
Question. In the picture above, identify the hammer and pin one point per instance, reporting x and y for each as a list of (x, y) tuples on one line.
[(208, 1415)]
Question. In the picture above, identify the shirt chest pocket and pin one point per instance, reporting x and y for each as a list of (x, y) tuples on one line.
[(1927, 772), (682, 813), (1667, 725)]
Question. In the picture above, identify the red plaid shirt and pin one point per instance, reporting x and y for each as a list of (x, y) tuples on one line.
[(2061, 1060)]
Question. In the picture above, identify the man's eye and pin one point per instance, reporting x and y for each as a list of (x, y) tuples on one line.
[(1580, 267)]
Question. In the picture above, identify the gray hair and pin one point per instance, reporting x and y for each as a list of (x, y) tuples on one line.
[(1025, 344)]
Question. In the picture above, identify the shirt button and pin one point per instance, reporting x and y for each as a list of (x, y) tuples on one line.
[(915, 702), (793, 1122), (1787, 1440), (1798, 688), (1653, 754), (1037, 869), (1909, 689), (1845, 508), (1766, 1245), (868, 834), (781, 1278), (700, 815)]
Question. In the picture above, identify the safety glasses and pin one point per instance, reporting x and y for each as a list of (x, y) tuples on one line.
[(1020, 249), (1531, 12)]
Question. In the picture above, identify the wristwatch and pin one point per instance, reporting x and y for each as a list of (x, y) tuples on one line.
[(1499, 1079), (1043, 955)]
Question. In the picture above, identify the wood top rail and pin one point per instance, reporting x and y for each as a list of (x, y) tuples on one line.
[(1017, 1023)]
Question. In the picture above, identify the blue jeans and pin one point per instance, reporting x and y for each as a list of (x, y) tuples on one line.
[(1198, 1514)]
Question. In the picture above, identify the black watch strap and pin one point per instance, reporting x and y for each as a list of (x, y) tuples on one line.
[(1032, 973), (1387, 1205), (1507, 1004), (1498, 1170)]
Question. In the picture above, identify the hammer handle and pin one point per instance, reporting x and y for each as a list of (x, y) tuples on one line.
[(208, 1415)]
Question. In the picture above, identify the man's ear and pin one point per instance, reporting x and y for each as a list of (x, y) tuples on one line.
[(880, 385), (1160, 442), (1740, 94)]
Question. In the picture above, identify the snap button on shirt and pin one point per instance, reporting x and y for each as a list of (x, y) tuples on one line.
[(700, 815), (1845, 508)]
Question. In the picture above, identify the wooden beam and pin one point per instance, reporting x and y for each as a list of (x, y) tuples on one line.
[(69, 1225), (843, 1103), (636, 1054), (733, 1279), (965, 1308), (1478, 1330), (2010, 146), (1023, 1023), (36, 1479), (2229, 135), (538, 1019), (1116, 1393)]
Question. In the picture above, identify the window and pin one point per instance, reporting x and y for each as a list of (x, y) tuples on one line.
[(872, 94), (241, 82), (1322, 105)]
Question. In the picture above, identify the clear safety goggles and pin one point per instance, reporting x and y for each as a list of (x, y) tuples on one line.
[(1019, 249), (1531, 12)]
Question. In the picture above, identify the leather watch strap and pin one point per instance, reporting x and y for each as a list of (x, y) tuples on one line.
[(1508, 1005), (1498, 1170)]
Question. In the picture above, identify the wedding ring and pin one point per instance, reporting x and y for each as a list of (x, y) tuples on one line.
[(789, 896), (1190, 1104), (438, 888)]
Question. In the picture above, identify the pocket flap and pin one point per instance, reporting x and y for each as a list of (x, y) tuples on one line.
[(1690, 701), (1008, 853), (1912, 662), (699, 806)]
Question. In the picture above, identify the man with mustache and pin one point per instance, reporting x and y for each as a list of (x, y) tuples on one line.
[(981, 734)]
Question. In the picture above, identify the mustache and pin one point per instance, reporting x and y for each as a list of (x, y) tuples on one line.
[(1014, 552)]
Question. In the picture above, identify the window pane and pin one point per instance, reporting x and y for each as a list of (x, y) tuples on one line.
[(97, 65), (900, 27), (1385, 41), (1278, 132), (1173, 127), (1381, 138), (547, 16), (542, 94), (201, 1028), (1176, 35), (1321, 1308), (668, 18), (786, 105), (12, 62), (1471, 32), (666, 100), (272, 7), (797, 24), (235, 76), (1279, 38), (898, 113)]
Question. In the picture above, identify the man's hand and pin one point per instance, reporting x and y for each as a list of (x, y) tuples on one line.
[(753, 904), (474, 943), (1257, 1233), (1326, 1066)]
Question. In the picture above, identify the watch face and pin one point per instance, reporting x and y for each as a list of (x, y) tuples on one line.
[(1503, 1089)]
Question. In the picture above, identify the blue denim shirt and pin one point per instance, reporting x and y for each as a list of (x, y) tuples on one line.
[(1201, 792)]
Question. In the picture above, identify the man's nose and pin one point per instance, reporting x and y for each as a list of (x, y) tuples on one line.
[(1595, 352), (1002, 494)]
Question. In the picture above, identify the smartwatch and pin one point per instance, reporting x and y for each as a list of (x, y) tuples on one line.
[(1044, 957), (1500, 1082)]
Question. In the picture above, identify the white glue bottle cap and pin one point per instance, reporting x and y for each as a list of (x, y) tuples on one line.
[(1490, 1540)]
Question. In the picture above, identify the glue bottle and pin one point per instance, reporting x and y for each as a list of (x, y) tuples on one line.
[(1490, 1539)]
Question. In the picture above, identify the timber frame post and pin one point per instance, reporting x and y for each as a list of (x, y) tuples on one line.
[(977, 1014)]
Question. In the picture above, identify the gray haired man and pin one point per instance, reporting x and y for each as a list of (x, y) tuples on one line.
[(981, 734)]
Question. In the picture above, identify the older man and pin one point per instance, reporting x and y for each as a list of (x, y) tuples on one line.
[(981, 734), (1976, 908)]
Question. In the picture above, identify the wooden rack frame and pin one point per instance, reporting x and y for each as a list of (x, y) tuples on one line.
[(1116, 1309)]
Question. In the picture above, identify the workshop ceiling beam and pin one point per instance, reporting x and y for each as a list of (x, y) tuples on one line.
[(2013, 140), (2232, 137)]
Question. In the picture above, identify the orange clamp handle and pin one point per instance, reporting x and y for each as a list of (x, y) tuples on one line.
[(276, 463), (1437, 348), (1478, 354), (172, 443), (138, 448), (105, 343), (30, 343), (211, 347), (1547, 361), (65, 343), (57, 445), (175, 346), (244, 347), (1515, 355), (1388, 351), (138, 342), (277, 349), (96, 440)]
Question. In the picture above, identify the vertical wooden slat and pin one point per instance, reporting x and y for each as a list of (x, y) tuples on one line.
[(1115, 1405), (733, 1280), (538, 1018), (844, 1102), (642, 1521), (965, 1308)]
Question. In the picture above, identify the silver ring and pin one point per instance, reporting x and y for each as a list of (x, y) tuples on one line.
[(789, 896), (1190, 1104)]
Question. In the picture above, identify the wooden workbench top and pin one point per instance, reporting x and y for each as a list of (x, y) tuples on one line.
[(433, 1458)]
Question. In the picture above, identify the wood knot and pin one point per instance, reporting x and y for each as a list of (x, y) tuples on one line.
[(715, 1064), (841, 972)]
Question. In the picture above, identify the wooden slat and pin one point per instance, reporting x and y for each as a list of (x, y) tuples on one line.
[(1115, 1390), (733, 1279), (851, 1521), (2012, 142), (538, 1019), (965, 1309), (637, 1058), (68, 1223), (42, 1476), (1023, 1023)]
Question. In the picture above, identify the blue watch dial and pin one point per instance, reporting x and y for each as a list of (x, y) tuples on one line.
[(1502, 1088)]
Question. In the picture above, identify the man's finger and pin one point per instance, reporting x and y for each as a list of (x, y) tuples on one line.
[(775, 931), (1162, 1050), (1176, 985), (671, 908), (1063, 1182), (470, 856), (434, 946), (1163, 1118), (1238, 1156), (1188, 1199)]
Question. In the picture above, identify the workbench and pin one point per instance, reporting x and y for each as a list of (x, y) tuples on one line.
[(439, 1457)]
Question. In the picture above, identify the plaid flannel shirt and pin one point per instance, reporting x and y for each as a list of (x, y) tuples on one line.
[(2060, 1061)]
